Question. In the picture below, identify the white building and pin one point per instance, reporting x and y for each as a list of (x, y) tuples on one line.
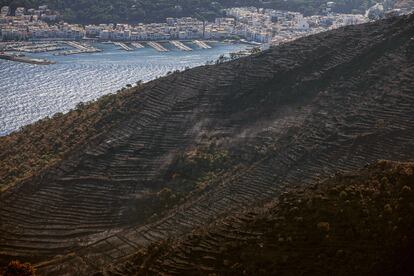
[(5, 11), (302, 23), (19, 11), (104, 35), (92, 30)]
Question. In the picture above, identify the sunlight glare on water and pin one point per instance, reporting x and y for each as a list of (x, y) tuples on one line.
[(32, 92)]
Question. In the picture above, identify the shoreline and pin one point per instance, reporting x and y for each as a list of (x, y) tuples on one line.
[(69, 82)]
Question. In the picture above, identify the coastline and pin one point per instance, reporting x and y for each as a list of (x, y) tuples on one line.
[(30, 93)]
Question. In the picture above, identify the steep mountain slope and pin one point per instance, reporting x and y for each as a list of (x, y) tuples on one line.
[(189, 148), (360, 223)]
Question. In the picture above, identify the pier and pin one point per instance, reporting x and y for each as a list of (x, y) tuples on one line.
[(137, 45), (38, 48), (80, 49), (202, 44), (157, 46), (123, 46), (180, 45), (76, 45)]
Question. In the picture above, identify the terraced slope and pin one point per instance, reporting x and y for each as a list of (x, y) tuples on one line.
[(197, 145), (360, 223)]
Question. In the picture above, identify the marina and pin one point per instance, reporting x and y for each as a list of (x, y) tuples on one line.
[(137, 45), (201, 44), (39, 48), (123, 46), (79, 49), (67, 47), (180, 45), (157, 46), (84, 46)]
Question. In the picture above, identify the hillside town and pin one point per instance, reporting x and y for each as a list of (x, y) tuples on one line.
[(274, 26), (250, 23)]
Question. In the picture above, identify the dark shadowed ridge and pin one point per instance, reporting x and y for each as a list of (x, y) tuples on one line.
[(359, 223), (180, 152)]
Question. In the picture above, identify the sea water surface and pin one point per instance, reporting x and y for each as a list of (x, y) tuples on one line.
[(32, 92)]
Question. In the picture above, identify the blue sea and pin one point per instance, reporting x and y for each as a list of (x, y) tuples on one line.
[(32, 92)]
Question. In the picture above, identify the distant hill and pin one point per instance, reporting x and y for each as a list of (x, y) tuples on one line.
[(88, 189), (121, 11)]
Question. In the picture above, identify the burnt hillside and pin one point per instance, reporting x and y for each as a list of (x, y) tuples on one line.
[(182, 151)]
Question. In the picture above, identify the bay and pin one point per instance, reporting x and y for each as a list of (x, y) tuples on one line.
[(31, 92)]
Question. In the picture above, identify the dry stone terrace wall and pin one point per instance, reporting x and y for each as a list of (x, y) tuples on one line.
[(283, 235), (296, 113)]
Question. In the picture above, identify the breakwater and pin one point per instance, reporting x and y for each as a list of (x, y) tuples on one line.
[(22, 58)]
